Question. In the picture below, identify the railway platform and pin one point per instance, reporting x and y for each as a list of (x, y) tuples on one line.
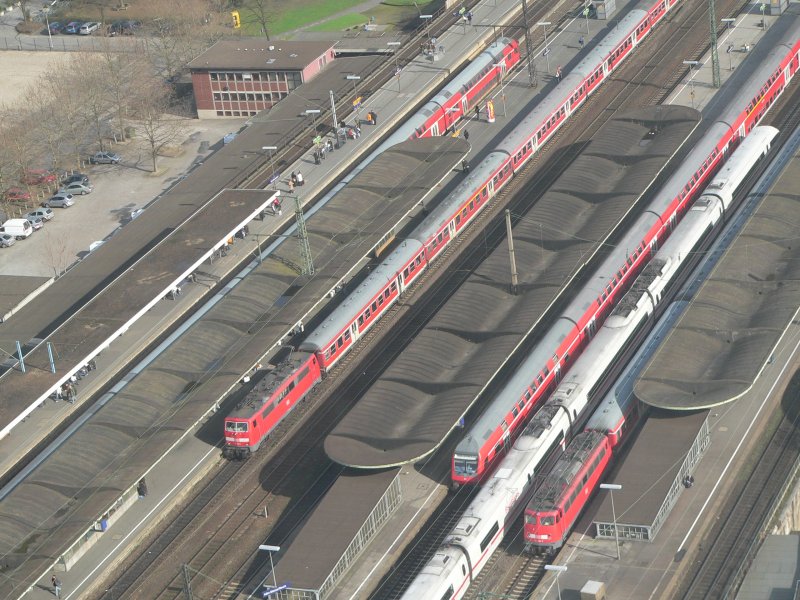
[(60, 301), (653, 569)]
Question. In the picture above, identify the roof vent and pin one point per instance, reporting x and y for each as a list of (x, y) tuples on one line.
[(271, 47), (293, 55)]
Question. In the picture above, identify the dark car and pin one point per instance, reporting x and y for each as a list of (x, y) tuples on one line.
[(73, 28), (56, 27), (73, 178), (124, 28)]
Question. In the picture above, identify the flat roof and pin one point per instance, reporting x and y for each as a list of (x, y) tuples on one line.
[(257, 53), (722, 342), (331, 527), (650, 466), (419, 399)]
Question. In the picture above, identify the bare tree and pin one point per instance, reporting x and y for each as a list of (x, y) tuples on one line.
[(261, 12), (123, 75), (18, 135), (59, 251), (159, 128), (96, 104)]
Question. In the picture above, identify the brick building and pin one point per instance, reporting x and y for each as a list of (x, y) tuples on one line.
[(242, 76)]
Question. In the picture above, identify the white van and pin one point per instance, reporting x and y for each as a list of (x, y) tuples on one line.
[(19, 228)]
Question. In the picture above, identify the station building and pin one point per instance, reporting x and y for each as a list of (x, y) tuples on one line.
[(242, 76)]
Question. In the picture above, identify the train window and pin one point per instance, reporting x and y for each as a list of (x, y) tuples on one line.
[(520, 404), (255, 423), (629, 261), (619, 274), (380, 300), (347, 334), (449, 593), (527, 395), (608, 289), (566, 358), (367, 313), (374, 306), (405, 273), (539, 379), (488, 539), (440, 237), (604, 296), (340, 342), (548, 520), (235, 426), (546, 371), (504, 425), (419, 260), (394, 286), (360, 320), (515, 412), (464, 212), (387, 293)]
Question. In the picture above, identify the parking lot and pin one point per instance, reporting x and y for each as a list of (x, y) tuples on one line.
[(118, 191)]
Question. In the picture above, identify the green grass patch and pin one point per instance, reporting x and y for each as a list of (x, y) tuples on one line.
[(300, 14), (341, 23)]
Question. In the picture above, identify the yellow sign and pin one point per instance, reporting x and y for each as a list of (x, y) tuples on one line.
[(357, 102), (237, 21), (490, 111)]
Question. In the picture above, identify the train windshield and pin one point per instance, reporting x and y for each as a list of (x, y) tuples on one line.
[(465, 466), (546, 520), (236, 426)]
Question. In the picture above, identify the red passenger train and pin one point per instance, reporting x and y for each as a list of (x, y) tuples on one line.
[(492, 434)]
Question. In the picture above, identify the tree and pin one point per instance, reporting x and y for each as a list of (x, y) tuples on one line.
[(123, 74), (260, 11), (158, 127)]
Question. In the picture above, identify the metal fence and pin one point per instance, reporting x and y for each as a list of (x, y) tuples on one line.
[(73, 43)]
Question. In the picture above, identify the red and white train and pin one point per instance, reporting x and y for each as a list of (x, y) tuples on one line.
[(255, 417), (466, 550), (495, 430), (564, 492)]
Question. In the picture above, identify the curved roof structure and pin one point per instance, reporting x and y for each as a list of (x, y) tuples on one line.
[(423, 394), (62, 497), (724, 339)]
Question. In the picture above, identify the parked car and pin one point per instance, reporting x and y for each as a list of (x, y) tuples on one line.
[(59, 201), (16, 194), (73, 27), (56, 28), (6, 240), (124, 28), (89, 28), (76, 187), (41, 213), (38, 177), (73, 177), (36, 222), (105, 158)]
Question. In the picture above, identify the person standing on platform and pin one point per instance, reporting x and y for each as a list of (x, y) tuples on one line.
[(300, 180), (581, 42), (466, 135), (56, 586), (478, 112), (558, 73)]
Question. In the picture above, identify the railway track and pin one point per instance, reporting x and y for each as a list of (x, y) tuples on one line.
[(650, 84), (217, 538), (728, 546)]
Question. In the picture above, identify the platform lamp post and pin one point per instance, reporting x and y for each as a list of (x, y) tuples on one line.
[(763, 8), (356, 105), (586, 12), (427, 19), (559, 569), (271, 149), (46, 11), (314, 112), (546, 52), (611, 487), (692, 64), (396, 46), (271, 549)]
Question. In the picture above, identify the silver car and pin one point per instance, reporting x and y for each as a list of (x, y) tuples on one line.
[(36, 222), (76, 187), (6, 240), (105, 158), (41, 213), (59, 201)]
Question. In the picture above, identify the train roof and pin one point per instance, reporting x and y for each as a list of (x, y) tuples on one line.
[(422, 395), (723, 341), (566, 468), (342, 316), (254, 400), (570, 83)]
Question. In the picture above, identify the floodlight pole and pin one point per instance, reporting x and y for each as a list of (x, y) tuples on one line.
[(546, 52), (559, 569), (271, 549), (611, 487)]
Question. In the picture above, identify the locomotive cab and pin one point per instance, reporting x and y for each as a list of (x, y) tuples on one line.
[(237, 438), (465, 467), (543, 529)]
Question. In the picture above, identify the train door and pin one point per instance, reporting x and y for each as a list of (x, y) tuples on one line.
[(354, 330), (591, 328), (557, 373), (464, 106), (435, 129)]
